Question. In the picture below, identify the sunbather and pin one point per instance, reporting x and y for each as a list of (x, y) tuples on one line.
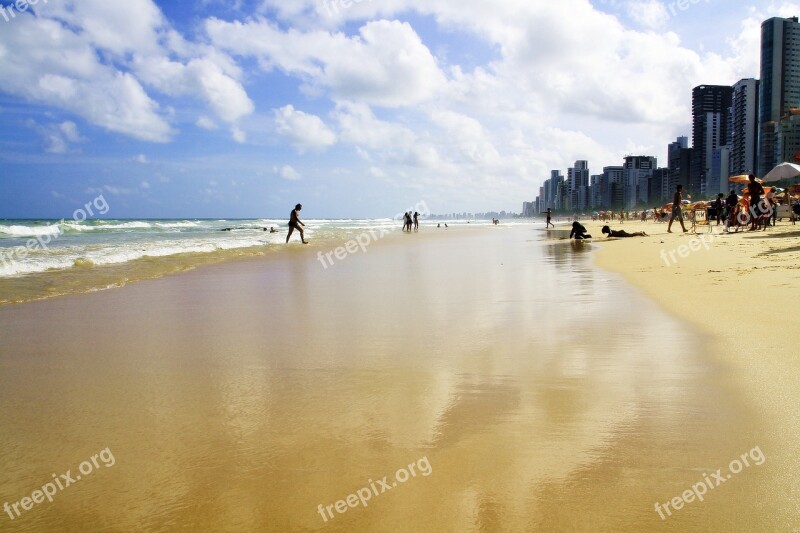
[(622, 234)]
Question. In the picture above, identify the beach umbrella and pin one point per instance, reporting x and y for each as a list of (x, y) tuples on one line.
[(784, 171), (743, 178)]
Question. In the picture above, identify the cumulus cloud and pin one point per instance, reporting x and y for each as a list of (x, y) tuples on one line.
[(648, 13), (57, 137), (386, 64), (287, 172), (305, 131)]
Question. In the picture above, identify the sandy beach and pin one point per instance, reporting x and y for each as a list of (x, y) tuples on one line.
[(524, 387), (741, 290)]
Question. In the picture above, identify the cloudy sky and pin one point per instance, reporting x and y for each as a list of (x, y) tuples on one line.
[(242, 108)]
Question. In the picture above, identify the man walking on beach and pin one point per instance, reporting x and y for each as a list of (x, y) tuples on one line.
[(676, 210), (718, 208), (416, 221), (731, 202), (756, 192), (296, 224), (549, 219)]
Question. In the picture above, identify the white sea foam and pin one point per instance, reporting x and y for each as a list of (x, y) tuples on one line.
[(30, 231)]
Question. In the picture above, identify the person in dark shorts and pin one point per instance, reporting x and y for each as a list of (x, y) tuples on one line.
[(676, 210), (756, 192), (622, 234), (730, 203), (579, 232), (549, 219), (718, 208), (296, 224)]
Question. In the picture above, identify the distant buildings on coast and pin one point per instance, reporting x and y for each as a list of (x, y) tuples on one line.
[(747, 128)]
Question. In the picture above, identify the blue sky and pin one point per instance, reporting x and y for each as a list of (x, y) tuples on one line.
[(356, 109)]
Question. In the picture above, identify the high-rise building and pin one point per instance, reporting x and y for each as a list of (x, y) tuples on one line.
[(710, 111), (779, 92), (658, 187), (636, 170), (595, 196), (578, 183), (613, 187), (744, 131), (720, 171), (679, 165)]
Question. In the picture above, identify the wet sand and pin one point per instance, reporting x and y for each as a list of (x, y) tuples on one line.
[(544, 394)]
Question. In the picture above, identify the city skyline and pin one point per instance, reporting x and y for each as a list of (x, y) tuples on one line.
[(356, 108), (744, 128)]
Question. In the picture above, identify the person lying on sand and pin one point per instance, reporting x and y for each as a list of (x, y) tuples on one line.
[(622, 234)]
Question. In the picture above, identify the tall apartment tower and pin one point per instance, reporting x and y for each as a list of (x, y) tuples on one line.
[(636, 171), (578, 183), (779, 92), (744, 133), (710, 109), (679, 164), (613, 187)]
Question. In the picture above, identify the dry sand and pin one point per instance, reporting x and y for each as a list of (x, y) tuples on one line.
[(743, 290)]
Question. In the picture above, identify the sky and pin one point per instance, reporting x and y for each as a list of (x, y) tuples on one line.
[(354, 108)]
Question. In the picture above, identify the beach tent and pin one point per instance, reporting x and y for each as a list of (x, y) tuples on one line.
[(784, 171)]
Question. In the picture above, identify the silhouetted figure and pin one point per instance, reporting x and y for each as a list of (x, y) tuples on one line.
[(296, 224), (578, 232), (676, 209), (622, 234), (756, 192)]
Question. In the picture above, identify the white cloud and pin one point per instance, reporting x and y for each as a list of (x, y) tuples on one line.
[(57, 137), (648, 13), (304, 130), (386, 64), (141, 158), (238, 135), (206, 123), (224, 94), (145, 185), (377, 172), (287, 172), (54, 65)]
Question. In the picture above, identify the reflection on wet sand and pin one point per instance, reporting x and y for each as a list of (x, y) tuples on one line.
[(545, 394)]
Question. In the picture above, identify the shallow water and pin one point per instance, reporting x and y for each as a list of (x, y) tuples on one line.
[(46, 258), (542, 393)]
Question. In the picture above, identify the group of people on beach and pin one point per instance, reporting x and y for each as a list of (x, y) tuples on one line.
[(410, 221)]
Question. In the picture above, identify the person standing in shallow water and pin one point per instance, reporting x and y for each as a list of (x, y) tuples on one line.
[(416, 221), (296, 224)]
